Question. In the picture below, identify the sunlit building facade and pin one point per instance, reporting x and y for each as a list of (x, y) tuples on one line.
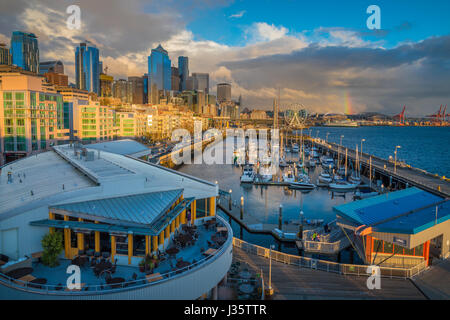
[(159, 69), (25, 51), (87, 67)]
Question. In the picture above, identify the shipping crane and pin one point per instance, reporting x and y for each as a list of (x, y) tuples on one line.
[(401, 116)]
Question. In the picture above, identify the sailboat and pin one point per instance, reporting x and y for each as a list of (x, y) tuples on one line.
[(355, 177)]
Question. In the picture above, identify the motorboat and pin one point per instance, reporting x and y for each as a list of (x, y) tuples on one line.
[(265, 173), (327, 163), (248, 175), (303, 183), (295, 148)]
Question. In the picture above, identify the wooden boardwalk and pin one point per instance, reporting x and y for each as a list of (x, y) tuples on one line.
[(435, 282), (293, 283), (412, 176)]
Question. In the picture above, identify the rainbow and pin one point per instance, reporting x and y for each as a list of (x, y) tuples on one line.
[(347, 103)]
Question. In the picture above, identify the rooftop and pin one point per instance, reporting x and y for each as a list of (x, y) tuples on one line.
[(406, 211), (124, 147)]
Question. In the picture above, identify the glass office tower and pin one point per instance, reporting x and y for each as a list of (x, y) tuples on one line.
[(87, 67), (160, 69), (25, 51), (183, 70)]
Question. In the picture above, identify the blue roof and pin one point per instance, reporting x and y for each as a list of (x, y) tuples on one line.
[(406, 211), (122, 147), (133, 209)]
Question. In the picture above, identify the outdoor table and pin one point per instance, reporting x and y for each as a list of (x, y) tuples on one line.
[(246, 288), (222, 229), (172, 251), (26, 278), (153, 277), (115, 282), (245, 275), (209, 252)]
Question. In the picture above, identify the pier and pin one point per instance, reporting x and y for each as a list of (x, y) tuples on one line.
[(384, 170)]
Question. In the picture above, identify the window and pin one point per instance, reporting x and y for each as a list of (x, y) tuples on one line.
[(388, 247), (122, 245)]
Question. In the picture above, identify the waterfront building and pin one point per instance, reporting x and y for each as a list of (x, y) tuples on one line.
[(5, 55), (87, 67), (76, 194), (106, 85), (72, 99), (258, 115), (400, 229), (25, 51), (201, 82), (159, 68), (137, 89), (131, 123), (183, 70), (51, 66), (30, 113), (223, 92), (175, 79)]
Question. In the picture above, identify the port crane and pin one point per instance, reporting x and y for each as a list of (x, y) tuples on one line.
[(401, 116), (438, 116)]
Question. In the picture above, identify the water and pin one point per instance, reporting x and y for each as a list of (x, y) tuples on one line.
[(426, 148), (263, 202)]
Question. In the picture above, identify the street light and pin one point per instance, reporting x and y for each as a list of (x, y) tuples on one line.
[(395, 158), (340, 143), (362, 140), (326, 139), (270, 289)]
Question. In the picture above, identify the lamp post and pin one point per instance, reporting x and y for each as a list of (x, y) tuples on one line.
[(270, 289), (326, 139), (229, 200), (395, 158), (362, 140), (242, 208)]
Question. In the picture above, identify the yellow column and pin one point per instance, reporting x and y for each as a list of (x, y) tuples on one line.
[(155, 243), (147, 245), (212, 206), (51, 216), (130, 247), (67, 243), (80, 237), (161, 237), (183, 217), (167, 232), (177, 222), (193, 210), (97, 240), (172, 226), (206, 207), (113, 247)]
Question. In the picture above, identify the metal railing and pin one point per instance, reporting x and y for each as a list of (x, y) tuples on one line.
[(329, 266), (108, 288)]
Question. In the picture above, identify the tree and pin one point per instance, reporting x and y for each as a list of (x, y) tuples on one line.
[(52, 245)]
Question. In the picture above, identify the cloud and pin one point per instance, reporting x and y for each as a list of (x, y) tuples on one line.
[(261, 31), (237, 15)]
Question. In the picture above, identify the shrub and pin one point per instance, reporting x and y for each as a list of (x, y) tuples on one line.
[(52, 245)]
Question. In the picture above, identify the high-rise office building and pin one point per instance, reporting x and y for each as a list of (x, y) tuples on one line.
[(25, 51), (223, 92), (137, 89), (51, 66), (5, 55), (159, 68), (183, 70), (87, 67), (175, 79), (122, 89), (106, 85), (201, 82)]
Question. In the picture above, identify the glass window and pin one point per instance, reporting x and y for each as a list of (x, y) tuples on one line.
[(398, 249), (377, 245), (122, 245), (418, 250), (19, 96), (7, 95), (388, 247)]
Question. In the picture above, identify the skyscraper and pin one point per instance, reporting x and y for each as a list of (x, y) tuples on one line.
[(25, 51), (51, 66), (159, 69), (175, 79), (87, 67), (183, 70), (201, 82), (223, 92), (5, 55), (137, 89)]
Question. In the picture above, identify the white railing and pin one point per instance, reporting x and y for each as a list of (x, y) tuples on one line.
[(329, 266)]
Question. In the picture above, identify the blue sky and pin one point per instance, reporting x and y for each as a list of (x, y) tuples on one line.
[(405, 20)]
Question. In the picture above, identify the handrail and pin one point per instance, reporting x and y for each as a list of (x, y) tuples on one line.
[(124, 286), (329, 266)]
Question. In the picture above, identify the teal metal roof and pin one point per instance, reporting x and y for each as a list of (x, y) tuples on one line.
[(406, 211), (139, 209), (161, 223)]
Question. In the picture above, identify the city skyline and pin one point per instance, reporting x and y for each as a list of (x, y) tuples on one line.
[(327, 60)]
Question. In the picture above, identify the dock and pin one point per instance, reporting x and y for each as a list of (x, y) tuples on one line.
[(384, 170)]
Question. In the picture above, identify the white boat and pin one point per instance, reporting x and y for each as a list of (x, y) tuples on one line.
[(265, 173), (295, 148), (248, 175), (283, 162), (302, 185), (288, 176), (327, 163), (342, 185), (364, 195), (354, 179), (314, 154), (312, 163), (314, 222), (325, 177)]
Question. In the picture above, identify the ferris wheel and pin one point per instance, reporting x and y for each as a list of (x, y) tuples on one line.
[(295, 115)]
